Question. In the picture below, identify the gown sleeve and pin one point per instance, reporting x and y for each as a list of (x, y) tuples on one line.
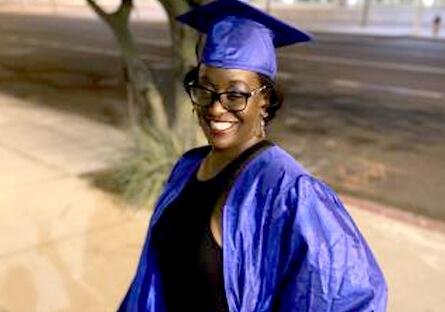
[(131, 300), (331, 267)]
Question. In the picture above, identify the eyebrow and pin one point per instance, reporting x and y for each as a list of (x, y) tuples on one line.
[(238, 81), (207, 80)]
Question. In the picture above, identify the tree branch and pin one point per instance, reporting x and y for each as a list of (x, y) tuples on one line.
[(124, 9), (193, 3), (99, 11), (175, 7)]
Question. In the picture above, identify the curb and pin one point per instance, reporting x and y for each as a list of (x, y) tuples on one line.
[(402, 35), (395, 213)]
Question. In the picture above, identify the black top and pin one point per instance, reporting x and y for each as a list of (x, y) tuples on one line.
[(189, 259)]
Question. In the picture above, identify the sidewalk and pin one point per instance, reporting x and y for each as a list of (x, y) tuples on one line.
[(65, 246)]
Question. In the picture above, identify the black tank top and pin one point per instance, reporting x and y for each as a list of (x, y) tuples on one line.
[(189, 259)]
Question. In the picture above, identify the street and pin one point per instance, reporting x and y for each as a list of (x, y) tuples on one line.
[(367, 114)]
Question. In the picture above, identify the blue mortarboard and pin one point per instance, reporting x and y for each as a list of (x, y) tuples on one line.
[(241, 36)]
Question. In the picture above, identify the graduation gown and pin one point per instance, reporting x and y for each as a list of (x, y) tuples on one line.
[(289, 245)]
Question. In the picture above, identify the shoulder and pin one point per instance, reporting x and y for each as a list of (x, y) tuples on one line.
[(275, 165), (195, 154), (276, 157), (199, 151), (336, 253), (308, 201), (187, 162), (320, 240)]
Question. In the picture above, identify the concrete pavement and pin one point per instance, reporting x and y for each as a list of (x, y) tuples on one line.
[(66, 246)]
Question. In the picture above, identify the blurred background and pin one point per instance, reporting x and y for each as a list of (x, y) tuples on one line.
[(92, 116)]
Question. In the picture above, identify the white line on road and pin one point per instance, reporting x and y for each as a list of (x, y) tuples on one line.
[(368, 64), (294, 56), (390, 89), (334, 60), (337, 82), (60, 45), (156, 60), (75, 47)]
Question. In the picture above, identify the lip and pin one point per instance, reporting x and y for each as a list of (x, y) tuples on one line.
[(219, 120), (219, 133)]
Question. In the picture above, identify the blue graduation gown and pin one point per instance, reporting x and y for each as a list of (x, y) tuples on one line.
[(289, 245)]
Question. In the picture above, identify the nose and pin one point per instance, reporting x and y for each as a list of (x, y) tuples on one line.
[(216, 108)]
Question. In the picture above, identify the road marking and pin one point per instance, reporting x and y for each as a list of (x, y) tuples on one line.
[(390, 89), (60, 45), (313, 58), (294, 56), (368, 64), (77, 47), (333, 60)]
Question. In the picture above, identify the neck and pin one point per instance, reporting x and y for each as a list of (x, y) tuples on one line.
[(234, 151), (218, 158)]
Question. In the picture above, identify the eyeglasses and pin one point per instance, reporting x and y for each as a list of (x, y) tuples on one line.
[(234, 101)]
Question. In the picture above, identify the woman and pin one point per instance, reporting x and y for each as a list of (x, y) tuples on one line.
[(240, 225)]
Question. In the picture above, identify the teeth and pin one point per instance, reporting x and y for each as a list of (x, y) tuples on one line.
[(220, 125)]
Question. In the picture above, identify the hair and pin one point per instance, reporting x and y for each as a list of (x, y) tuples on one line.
[(272, 91), (274, 96)]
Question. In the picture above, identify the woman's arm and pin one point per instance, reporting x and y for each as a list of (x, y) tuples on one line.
[(331, 267)]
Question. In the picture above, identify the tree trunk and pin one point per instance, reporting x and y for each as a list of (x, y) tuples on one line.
[(184, 41), (149, 104), (147, 97), (184, 60), (161, 142)]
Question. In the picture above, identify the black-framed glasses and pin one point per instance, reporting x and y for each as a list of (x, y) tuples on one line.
[(234, 101)]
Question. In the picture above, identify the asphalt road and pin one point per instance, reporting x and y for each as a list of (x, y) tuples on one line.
[(367, 114)]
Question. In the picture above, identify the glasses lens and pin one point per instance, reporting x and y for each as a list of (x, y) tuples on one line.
[(201, 96), (234, 101)]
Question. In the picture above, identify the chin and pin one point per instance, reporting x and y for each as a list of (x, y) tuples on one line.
[(219, 144), (223, 139)]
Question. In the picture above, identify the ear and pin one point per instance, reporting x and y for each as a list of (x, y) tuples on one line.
[(263, 102)]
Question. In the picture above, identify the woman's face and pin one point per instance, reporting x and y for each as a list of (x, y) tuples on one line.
[(226, 129)]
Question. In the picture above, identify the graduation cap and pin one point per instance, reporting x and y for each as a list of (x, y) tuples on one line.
[(240, 36)]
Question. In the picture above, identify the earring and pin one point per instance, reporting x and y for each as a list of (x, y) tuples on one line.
[(263, 128), (262, 133), (264, 114)]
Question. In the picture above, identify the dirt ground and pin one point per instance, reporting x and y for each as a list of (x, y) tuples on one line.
[(369, 148)]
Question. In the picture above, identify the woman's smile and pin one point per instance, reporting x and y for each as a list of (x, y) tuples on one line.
[(226, 129), (218, 128)]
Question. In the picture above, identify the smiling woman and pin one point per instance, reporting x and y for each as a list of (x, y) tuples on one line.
[(231, 118), (241, 226)]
